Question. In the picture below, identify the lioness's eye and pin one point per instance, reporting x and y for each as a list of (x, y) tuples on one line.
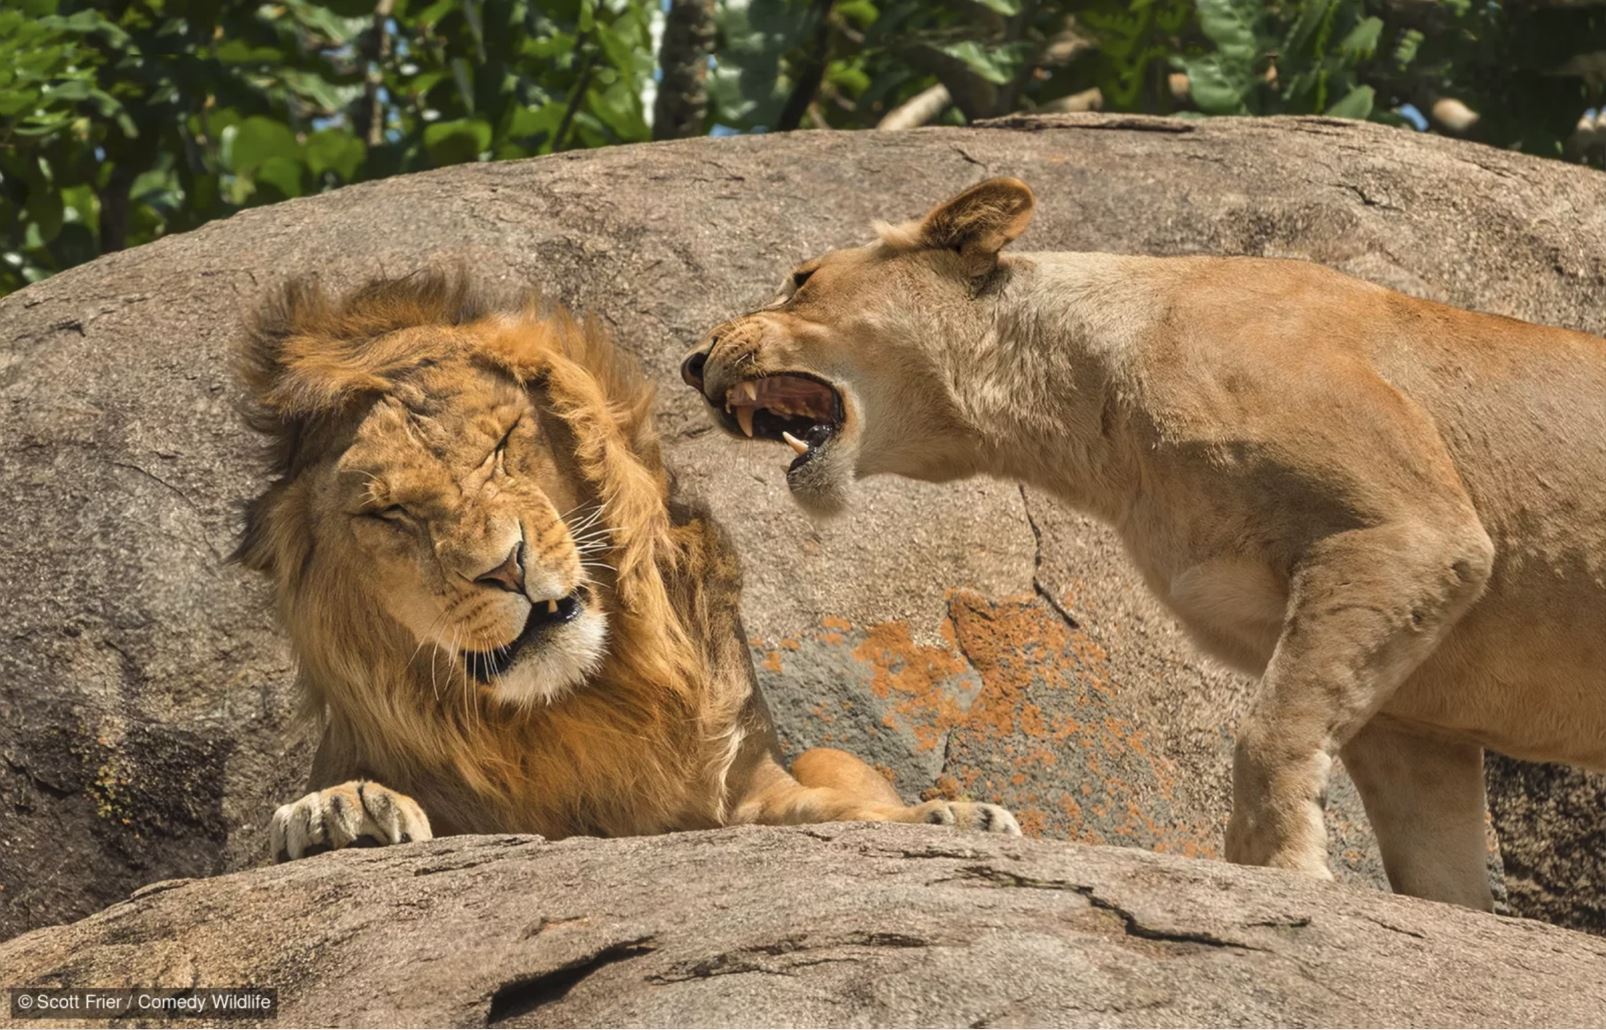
[(395, 513), (789, 288)]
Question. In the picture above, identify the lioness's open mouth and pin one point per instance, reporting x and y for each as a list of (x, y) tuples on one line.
[(544, 615), (797, 408)]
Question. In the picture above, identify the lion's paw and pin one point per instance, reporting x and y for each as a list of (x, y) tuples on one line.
[(969, 815), (358, 813)]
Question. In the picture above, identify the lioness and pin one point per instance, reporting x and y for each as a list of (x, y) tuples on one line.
[(500, 614), (1391, 511)]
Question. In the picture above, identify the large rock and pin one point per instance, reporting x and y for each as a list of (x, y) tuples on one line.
[(833, 926), (970, 638), (1552, 821)]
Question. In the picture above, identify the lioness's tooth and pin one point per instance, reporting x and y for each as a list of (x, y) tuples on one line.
[(749, 392), (552, 607), (744, 416), (793, 442)]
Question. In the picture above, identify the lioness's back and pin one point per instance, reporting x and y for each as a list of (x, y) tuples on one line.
[(1520, 409)]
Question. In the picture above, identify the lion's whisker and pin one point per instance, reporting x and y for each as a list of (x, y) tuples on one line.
[(587, 522), (429, 635)]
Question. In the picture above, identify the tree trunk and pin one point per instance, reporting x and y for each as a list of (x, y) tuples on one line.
[(681, 109), (114, 209)]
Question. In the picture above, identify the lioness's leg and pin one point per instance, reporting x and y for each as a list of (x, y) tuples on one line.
[(1365, 608), (827, 785), (355, 812), (1424, 798)]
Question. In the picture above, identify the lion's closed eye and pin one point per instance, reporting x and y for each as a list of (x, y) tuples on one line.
[(498, 455), (394, 515)]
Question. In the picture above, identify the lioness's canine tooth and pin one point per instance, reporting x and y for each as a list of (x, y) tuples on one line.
[(748, 391), (744, 417), (793, 442), (552, 607)]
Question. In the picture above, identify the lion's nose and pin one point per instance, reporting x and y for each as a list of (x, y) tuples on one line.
[(691, 369), (510, 574)]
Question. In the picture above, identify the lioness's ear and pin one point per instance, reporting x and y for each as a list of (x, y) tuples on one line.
[(978, 222)]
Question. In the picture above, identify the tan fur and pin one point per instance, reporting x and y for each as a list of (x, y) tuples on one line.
[(400, 533), (1391, 511)]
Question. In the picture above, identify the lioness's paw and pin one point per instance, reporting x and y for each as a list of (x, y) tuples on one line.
[(969, 815), (359, 812)]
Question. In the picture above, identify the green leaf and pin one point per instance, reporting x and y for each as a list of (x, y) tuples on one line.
[(528, 122), (1406, 49), (239, 51), (1218, 85), (456, 141), (71, 90), (15, 103), (282, 173), (990, 65), (1361, 43), (1357, 103), (1230, 24), (619, 108), (1311, 15), (256, 140), (849, 80), (45, 209), (860, 13), (335, 150)]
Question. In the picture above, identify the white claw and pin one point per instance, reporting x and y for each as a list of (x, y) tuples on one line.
[(793, 442), (744, 416)]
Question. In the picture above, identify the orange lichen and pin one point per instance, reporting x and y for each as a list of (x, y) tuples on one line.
[(1016, 699)]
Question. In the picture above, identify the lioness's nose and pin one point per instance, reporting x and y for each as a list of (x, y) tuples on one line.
[(691, 369), (510, 574)]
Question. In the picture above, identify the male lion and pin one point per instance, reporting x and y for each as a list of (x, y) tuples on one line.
[(504, 620), (1391, 511)]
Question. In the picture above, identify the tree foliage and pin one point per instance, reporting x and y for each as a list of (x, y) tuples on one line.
[(122, 120)]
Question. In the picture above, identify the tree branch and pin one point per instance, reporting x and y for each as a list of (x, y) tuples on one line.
[(370, 122), (582, 83), (918, 109), (807, 83)]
